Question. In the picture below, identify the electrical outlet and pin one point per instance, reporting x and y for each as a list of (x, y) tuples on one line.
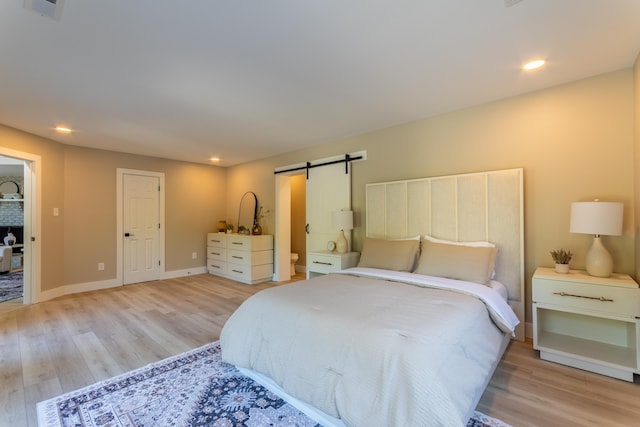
[(100, 266), (194, 255)]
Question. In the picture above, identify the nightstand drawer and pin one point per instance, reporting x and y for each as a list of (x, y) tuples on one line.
[(324, 263), (604, 299)]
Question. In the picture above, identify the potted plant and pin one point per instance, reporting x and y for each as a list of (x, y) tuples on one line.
[(229, 228), (561, 258)]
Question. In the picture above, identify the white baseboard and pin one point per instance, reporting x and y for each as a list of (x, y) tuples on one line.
[(182, 273), (77, 288)]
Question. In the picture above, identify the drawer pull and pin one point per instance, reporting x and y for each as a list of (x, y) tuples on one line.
[(237, 257), (564, 294), (237, 243), (214, 266), (215, 253), (323, 263), (238, 271)]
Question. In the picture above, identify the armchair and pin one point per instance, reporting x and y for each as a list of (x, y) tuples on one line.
[(6, 256)]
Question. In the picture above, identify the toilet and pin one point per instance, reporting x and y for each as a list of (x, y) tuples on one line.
[(294, 259)]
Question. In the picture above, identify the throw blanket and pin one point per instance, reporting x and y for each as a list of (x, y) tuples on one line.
[(368, 351)]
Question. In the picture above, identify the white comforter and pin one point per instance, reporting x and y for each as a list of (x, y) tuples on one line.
[(372, 352)]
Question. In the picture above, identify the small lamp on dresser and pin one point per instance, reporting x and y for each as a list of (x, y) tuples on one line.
[(600, 219), (342, 220)]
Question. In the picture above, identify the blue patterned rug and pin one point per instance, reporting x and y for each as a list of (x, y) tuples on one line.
[(195, 388), (11, 286)]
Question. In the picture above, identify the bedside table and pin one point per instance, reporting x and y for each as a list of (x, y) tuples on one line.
[(323, 262), (587, 322)]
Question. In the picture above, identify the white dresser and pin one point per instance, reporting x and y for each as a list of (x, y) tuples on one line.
[(587, 322), (247, 259)]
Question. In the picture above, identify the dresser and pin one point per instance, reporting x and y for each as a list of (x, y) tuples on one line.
[(244, 258), (324, 262), (587, 322)]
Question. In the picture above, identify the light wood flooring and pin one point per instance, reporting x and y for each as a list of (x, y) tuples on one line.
[(54, 347)]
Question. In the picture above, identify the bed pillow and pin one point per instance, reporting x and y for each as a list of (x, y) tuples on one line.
[(474, 244), (469, 263), (396, 255)]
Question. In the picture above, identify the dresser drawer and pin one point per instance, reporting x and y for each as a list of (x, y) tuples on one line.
[(215, 266), (249, 258), (249, 243), (250, 274), (216, 253), (217, 240), (600, 298)]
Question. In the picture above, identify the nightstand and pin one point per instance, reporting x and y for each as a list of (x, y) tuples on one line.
[(323, 262), (587, 322)]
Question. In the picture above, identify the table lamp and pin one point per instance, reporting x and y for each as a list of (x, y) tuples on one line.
[(600, 219), (342, 220)]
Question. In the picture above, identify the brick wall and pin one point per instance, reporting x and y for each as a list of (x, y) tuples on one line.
[(12, 213)]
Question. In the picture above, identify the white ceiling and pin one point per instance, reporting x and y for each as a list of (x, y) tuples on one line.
[(248, 79)]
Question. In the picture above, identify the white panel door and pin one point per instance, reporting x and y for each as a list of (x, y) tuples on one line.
[(328, 190), (141, 225)]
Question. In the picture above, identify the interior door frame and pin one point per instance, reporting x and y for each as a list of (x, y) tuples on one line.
[(120, 173), (282, 244), (32, 256)]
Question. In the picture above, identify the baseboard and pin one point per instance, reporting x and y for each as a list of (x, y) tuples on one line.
[(77, 288), (182, 273)]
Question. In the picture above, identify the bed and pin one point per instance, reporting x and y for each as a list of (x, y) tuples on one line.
[(413, 334)]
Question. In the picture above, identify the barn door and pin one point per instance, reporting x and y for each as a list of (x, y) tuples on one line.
[(328, 190)]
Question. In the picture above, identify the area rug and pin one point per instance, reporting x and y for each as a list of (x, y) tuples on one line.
[(11, 286), (195, 388)]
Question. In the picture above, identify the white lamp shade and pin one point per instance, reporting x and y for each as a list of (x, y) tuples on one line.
[(343, 220), (598, 218)]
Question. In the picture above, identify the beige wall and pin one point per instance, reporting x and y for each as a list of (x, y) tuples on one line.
[(575, 142), (195, 196), (52, 194), (81, 182)]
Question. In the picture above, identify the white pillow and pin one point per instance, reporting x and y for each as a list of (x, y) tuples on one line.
[(450, 242)]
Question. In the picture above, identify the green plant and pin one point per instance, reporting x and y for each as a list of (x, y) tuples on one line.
[(230, 227), (561, 256)]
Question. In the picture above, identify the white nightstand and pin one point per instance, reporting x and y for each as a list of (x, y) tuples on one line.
[(323, 262), (587, 322)]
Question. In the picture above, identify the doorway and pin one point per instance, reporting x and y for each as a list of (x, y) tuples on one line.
[(327, 195), (140, 227), (20, 209)]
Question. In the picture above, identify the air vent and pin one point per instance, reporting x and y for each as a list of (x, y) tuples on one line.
[(50, 8)]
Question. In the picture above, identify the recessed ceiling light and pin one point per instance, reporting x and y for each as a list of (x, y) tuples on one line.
[(63, 129), (532, 65), (215, 159)]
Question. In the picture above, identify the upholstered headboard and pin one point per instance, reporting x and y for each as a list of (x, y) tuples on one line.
[(483, 206)]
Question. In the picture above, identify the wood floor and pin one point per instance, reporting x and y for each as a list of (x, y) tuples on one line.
[(58, 346)]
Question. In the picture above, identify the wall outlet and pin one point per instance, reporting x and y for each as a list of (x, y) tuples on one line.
[(194, 255), (100, 266)]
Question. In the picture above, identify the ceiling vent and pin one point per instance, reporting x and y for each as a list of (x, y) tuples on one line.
[(50, 8)]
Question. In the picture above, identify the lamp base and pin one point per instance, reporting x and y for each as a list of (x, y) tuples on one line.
[(342, 246), (599, 262)]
